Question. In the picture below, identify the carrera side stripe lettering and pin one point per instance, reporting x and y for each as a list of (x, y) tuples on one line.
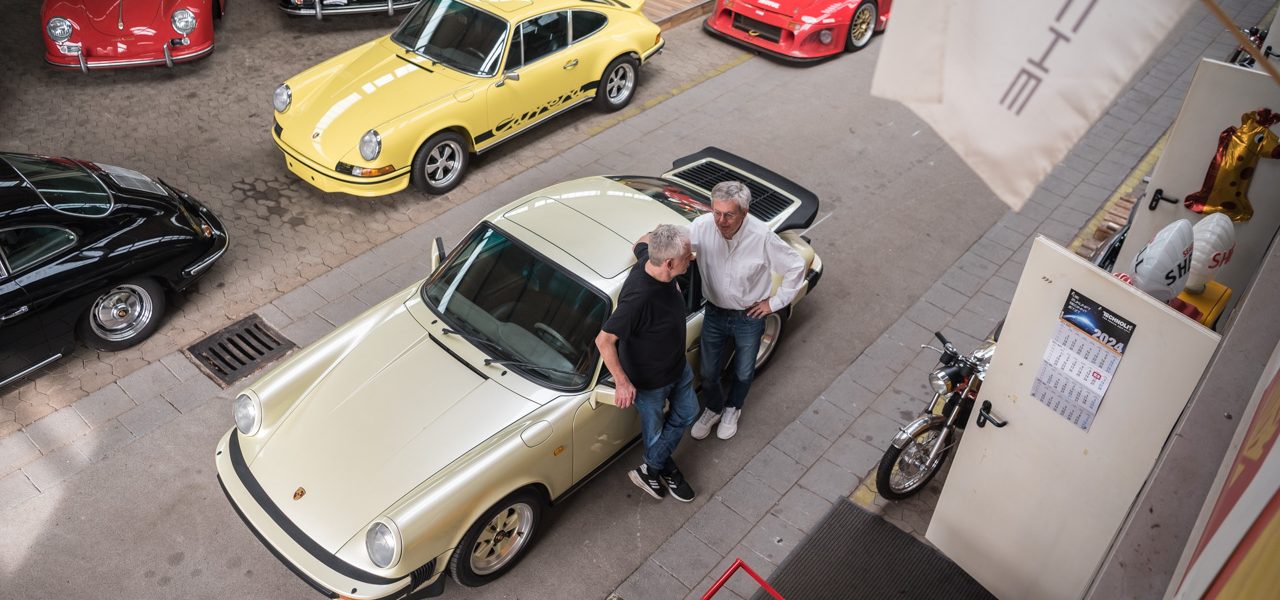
[(514, 122)]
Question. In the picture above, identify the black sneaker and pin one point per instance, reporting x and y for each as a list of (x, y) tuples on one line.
[(649, 482), (679, 488)]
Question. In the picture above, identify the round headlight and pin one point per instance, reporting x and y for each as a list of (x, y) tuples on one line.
[(59, 29), (824, 36), (184, 21), (248, 414), (940, 382), (370, 145), (382, 543), (282, 98)]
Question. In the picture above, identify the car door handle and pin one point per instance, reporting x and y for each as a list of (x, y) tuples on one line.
[(571, 64), (14, 313)]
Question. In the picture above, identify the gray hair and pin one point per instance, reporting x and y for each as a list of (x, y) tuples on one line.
[(733, 190), (667, 242)]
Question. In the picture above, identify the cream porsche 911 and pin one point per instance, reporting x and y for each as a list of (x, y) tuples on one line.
[(430, 433)]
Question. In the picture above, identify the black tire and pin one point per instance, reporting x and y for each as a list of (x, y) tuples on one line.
[(775, 325), (917, 450), (474, 562), (618, 84), (441, 163), (862, 26), (123, 316)]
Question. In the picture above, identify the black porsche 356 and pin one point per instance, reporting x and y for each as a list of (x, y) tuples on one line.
[(89, 251)]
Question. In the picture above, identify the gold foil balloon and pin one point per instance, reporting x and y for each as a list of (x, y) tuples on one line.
[(1226, 184), (1215, 241), (1161, 268)]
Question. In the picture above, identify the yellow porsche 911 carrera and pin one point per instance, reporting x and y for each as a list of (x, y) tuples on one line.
[(455, 79)]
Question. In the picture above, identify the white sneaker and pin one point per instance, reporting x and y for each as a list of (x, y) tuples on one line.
[(729, 423), (702, 426)]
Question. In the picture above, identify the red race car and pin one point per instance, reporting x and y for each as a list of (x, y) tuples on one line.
[(108, 34), (799, 30)]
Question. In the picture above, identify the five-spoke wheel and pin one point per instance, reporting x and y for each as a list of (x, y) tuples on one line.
[(441, 163)]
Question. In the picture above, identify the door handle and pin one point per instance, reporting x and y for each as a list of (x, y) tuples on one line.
[(984, 415), (571, 64), (14, 313)]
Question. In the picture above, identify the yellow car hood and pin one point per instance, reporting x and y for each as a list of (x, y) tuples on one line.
[(365, 89), (392, 410)]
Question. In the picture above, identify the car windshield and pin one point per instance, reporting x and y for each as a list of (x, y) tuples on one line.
[(673, 196), (455, 34), (63, 184), (519, 304)]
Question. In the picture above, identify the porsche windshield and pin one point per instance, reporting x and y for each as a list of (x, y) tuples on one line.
[(455, 34), (520, 308)]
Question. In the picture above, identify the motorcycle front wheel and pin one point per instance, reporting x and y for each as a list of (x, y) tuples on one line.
[(903, 471)]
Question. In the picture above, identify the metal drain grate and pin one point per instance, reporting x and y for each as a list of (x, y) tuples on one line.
[(233, 353)]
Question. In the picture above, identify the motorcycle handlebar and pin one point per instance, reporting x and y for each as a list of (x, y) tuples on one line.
[(946, 343)]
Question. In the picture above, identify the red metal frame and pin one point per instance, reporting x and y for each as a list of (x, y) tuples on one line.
[(738, 564)]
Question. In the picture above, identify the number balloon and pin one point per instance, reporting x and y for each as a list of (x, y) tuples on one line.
[(1215, 237), (1161, 268)]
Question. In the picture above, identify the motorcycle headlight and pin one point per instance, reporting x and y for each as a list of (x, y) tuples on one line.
[(940, 381), (370, 145), (282, 98), (248, 413), (825, 37), (383, 544), (59, 29), (184, 21)]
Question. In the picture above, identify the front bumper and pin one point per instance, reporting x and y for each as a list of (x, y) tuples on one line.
[(319, 568), (787, 47), (166, 56), (319, 11), (329, 180)]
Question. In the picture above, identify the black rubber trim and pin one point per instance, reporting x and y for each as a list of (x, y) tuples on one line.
[(296, 571), (800, 218), (458, 358), (807, 60), (281, 145), (598, 470), (302, 539), (812, 278)]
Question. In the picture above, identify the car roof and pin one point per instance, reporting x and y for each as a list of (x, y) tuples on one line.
[(594, 220), (516, 9), (16, 198)]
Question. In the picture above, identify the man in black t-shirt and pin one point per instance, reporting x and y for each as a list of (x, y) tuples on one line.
[(642, 344)]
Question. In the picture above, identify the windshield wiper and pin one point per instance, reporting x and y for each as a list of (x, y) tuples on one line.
[(528, 365), (475, 339)]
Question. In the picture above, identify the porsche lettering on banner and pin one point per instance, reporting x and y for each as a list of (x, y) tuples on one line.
[(1012, 85), (514, 122)]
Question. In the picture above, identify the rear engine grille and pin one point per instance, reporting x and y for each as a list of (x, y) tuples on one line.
[(765, 202), (769, 32), (237, 351)]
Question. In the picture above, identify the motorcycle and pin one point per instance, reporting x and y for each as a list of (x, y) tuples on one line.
[(921, 447)]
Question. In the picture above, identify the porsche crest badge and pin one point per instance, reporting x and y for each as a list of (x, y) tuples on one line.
[(299, 493)]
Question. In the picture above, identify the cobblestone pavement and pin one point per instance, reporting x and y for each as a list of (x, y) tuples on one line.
[(205, 127)]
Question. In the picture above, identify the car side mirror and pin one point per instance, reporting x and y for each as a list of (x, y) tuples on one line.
[(437, 254), (507, 76), (604, 394)]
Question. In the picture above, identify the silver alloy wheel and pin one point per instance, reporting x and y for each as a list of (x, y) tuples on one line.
[(622, 79), (443, 162), (769, 340), (502, 539), (911, 468), (121, 313), (862, 25)]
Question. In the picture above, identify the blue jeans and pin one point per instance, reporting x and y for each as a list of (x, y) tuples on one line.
[(662, 433), (722, 331)]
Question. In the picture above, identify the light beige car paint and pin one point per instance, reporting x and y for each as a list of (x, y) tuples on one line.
[(387, 417)]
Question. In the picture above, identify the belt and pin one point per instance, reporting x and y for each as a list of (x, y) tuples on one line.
[(728, 310)]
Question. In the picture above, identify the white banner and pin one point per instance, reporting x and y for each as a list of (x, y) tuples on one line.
[(1013, 84)]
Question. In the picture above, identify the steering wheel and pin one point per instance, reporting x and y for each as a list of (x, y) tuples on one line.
[(473, 52), (554, 338)]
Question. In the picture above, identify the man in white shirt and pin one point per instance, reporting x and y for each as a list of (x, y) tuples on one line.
[(737, 255)]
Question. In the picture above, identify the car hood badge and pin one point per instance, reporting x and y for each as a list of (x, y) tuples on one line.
[(299, 493)]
